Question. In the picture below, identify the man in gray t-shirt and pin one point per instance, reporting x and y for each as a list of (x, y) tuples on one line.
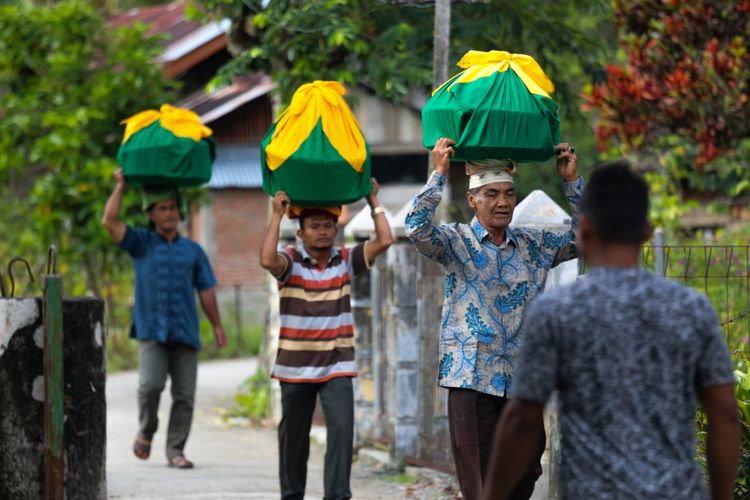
[(630, 354)]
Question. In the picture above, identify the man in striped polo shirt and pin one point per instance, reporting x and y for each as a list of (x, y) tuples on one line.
[(316, 341)]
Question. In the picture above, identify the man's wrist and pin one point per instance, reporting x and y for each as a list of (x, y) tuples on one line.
[(377, 210)]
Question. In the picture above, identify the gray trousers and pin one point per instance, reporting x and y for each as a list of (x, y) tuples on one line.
[(155, 362)]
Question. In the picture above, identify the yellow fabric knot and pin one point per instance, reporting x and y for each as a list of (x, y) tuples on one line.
[(480, 64), (180, 121), (312, 102)]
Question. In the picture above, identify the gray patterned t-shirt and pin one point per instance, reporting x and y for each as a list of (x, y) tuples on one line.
[(628, 352)]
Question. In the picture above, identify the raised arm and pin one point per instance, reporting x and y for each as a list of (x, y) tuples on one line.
[(270, 259), (383, 236), (430, 240), (562, 246), (111, 218)]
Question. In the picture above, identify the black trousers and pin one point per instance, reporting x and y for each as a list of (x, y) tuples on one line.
[(297, 406), (472, 419)]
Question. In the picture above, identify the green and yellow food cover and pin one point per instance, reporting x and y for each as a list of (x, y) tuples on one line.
[(499, 107), (169, 147), (316, 152)]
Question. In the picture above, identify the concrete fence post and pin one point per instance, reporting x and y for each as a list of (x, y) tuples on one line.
[(364, 384), (22, 386), (434, 442), (402, 348), (659, 263), (379, 300)]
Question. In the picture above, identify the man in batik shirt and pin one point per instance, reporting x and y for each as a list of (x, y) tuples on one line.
[(491, 274)]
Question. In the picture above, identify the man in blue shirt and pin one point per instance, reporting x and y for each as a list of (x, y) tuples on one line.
[(168, 267), (492, 272)]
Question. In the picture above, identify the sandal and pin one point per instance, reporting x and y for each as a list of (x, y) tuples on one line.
[(180, 462), (141, 447)]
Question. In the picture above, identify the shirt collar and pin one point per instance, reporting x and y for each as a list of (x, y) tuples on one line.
[(164, 239), (306, 256), (510, 236), (482, 234)]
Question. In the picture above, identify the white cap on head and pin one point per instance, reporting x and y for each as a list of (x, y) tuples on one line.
[(483, 172)]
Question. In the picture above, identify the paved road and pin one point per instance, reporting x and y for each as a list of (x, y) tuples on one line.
[(231, 462)]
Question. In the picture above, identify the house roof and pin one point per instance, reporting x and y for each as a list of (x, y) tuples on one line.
[(236, 166), (213, 106), (201, 36), (187, 42)]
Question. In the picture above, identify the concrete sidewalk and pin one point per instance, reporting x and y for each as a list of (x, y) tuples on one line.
[(230, 462)]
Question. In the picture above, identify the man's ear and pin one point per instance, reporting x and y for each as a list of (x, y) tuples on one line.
[(471, 200), (300, 232), (584, 230), (648, 232)]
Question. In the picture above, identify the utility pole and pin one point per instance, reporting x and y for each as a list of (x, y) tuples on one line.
[(441, 42), (430, 279), (440, 55)]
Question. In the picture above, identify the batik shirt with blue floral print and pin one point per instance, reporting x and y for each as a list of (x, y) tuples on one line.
[(487, 287)]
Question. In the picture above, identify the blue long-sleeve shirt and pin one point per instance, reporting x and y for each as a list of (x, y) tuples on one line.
[(166, 277), (487, 287)]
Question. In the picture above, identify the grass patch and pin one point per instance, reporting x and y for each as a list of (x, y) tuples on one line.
[(400, 478)]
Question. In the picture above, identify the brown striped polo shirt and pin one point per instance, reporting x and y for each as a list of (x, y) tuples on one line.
[(316, 340)]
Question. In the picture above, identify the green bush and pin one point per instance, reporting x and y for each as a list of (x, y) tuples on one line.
[(742, 485), (253, 401), (742, 488)]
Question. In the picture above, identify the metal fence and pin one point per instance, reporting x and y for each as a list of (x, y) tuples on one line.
[(722, 272)]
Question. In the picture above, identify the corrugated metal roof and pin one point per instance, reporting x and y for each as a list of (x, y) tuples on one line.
[(194, 40), (224, 100), (236, 166), (183, 36), (166, 19)]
